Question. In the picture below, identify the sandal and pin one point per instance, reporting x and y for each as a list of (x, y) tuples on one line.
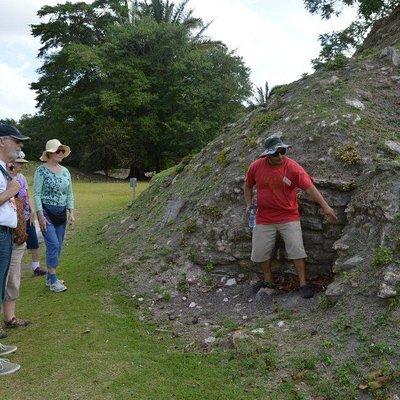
[(16, 323)]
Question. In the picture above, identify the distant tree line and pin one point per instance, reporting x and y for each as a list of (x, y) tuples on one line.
[(131, 84)]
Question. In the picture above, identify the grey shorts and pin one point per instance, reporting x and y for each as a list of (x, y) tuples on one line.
[(264, 237)]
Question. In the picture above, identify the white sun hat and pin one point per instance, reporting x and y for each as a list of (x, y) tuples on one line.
[(52, 146)]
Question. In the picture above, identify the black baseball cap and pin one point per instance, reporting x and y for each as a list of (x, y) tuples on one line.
[(8, 130)]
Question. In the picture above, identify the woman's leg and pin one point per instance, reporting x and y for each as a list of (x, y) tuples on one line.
[(53, 239), (60, 232), (32, 245), (35, 255), (52, 248)]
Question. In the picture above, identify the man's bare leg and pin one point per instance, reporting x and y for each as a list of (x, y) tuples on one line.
[(305, 290), (300, 265), (267, 272)]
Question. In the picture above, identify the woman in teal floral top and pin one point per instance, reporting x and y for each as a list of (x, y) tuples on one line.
[(54, 203)]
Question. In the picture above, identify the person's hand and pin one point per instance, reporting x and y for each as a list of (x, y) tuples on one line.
[(33, 218), (42, 223), (330, 214), (13, 187), (71, 217)]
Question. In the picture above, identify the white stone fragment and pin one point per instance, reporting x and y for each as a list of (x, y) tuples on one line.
[(393, 146), (210, 340), (231, 282), (258, 331), (355, 103)]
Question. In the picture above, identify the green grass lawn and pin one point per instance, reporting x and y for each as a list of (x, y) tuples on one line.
[(87, 343)]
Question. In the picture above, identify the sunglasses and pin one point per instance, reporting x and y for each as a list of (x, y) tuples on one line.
[(60, 151), (280, 152), (15, 140)]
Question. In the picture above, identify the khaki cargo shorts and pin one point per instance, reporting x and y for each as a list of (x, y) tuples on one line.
[(14, 272), (264, 241)]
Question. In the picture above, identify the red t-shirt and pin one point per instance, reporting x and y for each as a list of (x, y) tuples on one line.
[(277, 189)]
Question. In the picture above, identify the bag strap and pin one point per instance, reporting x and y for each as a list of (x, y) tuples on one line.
[(5, 173)]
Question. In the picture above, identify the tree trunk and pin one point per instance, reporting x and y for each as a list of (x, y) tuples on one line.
[(138, 173)]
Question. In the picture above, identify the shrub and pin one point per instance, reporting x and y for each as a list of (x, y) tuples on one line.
[(348, 154), (212, 211), (279, 89), (167, 296), (263, 121), (382, 256), (205, 170), (209, 266), (222, 158), (190, 227), (183, 285)]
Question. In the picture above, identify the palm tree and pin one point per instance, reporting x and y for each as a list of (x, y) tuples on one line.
[(259, 97), (166, 11)]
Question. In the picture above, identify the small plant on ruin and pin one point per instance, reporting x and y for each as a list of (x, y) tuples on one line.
[(348, 154), (382, 256)]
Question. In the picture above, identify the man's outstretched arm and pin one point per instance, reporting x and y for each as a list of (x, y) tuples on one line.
[(248, 195), (315, 195)]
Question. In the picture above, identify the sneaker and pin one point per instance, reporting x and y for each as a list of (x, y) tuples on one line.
[(7, 349), (16, 323), (7, 367), (48, 282), (306, 291), (39, 272), (57, 286)]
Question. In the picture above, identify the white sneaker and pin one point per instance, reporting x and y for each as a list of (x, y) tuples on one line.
[(47, 282), (7, 367), (57, 286), (7, 349)]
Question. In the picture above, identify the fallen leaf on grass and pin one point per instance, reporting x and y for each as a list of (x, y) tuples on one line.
[(377, 379), (299, 376)]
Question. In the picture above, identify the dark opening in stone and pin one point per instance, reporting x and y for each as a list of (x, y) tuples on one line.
[(319, 235)]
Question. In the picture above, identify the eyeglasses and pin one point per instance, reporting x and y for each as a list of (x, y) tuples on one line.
[(279, 152), (60, 151)]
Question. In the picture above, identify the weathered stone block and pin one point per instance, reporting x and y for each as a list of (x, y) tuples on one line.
[(348, 264), (335, 289), (174, 207), (313, 223)]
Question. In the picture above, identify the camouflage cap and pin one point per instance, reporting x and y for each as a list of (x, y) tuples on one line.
[(272, 144)]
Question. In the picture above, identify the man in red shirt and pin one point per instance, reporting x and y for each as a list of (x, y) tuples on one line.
[(277, 179)]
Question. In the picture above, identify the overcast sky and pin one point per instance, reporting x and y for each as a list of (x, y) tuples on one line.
[(277, 40)]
